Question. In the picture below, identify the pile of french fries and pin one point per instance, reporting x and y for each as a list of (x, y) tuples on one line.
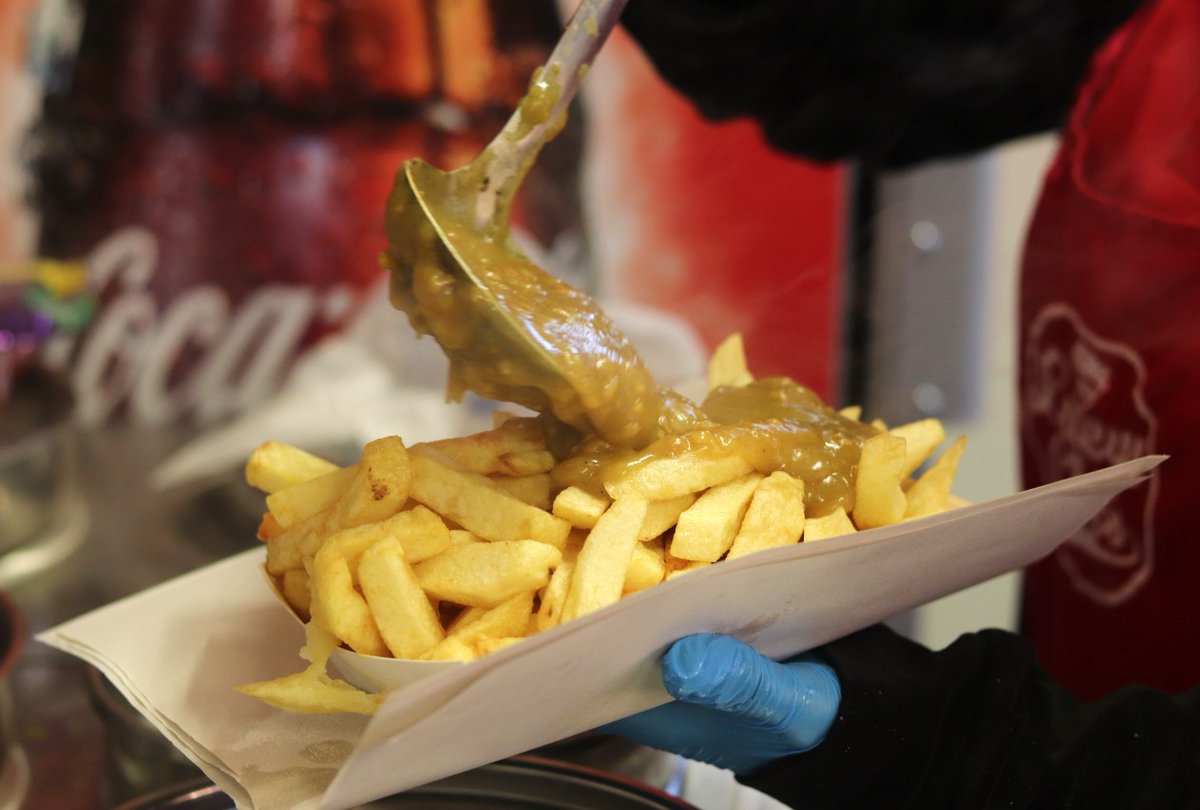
[(455, 548)]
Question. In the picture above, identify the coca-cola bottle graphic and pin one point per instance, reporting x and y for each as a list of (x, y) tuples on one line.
[(222, 166)]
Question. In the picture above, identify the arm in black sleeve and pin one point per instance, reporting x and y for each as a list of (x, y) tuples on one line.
[(889, 83), (980, 725)]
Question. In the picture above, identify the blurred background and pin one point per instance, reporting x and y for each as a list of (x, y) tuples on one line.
[(191, 207)]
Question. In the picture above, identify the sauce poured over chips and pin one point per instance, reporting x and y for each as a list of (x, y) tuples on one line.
[(515, 333)]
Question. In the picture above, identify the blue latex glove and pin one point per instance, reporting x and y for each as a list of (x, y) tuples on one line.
[(734, 707)]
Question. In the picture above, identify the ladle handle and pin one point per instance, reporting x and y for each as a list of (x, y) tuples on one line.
[(514, 147), (582, 39)]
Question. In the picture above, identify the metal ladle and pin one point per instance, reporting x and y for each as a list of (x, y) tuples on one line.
[(512, 331)]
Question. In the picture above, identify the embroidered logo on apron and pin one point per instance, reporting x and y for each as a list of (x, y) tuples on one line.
[(1085, 408)]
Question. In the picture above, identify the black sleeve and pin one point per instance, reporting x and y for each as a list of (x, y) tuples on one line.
[(979, 725), (889, 83)]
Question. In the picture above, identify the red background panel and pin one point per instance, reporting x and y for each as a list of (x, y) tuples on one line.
[(706, 221)]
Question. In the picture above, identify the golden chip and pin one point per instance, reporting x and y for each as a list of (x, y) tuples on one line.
[(706, 529), (920, 439), (511, 618), (835, 524), (486, 574), (338, 607), (579, 507), (931, 492), (531, 489), (403, 615), (515, 447), (312, 693), (775, 516), (878, 497), (662, 478), (727, 366), (646, 567), (554, 595), (473, 502), (297, 502), (663, 515), (293, 586), (603, 561), (276, 465)]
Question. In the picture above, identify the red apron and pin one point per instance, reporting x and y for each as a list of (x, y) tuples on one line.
[(1110, 361)]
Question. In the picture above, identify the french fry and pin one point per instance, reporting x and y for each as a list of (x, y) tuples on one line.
[(835, 524), (775, 516), (930, 493), (878, 497), (663, 515), (554, 595), (646, 567), (423, 534), (473, 502), (920, 438), (338, 607), (379, 487), (402, 612), (464, 617), (275, 465), (312, 693), (509, 619), (470, 634), (579, 507), (312, 690), (293, 586), (268, 527), (727, 366), (706, 529), (575, 541), (377, 491), (603, 561), (287, 550), (516, 447), (419, 531), (297, 502), (531, 489), (486, 574), (662, 478)]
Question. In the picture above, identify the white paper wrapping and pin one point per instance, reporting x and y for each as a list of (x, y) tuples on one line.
[(177, 650)]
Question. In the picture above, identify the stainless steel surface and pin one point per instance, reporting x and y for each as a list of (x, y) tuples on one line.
[(137, 759), (137, 538), (525, 782), (14, 765), (42, 514)]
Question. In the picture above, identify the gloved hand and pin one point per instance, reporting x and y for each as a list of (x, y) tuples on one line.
[(734, 707)]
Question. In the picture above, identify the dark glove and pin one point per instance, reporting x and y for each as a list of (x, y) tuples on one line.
[(887, 83), (734, 707)]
